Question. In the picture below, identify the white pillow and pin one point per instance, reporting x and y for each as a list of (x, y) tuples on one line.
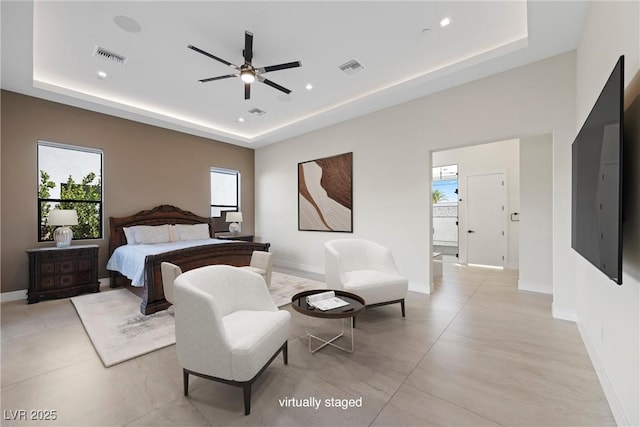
[(130, 234), (149, 234), (192, 231), (173, 234)]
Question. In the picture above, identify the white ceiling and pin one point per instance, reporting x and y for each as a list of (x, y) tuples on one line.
[(48, 52)]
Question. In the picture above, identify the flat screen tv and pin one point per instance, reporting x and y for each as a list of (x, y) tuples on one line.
[(596, 202)]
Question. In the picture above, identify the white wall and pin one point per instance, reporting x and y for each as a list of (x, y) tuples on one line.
[(608, 314), (536, 219), (496, 157), (392, 164)]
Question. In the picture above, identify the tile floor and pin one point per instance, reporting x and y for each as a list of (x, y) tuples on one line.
[(476, 352)]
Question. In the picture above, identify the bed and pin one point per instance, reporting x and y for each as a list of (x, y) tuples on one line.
[(230, 252)]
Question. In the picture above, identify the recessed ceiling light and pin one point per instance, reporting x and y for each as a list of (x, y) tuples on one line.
[(445, 22), (309, 86), (127, 24), (102, 75)]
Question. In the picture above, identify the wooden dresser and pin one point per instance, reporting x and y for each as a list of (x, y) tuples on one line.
[(62, 272)]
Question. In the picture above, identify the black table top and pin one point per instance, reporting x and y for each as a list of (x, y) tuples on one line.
[(355, 307)]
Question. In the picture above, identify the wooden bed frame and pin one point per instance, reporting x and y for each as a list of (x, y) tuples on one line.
[(232, 253)]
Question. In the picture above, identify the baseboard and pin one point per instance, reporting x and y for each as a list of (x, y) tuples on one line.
[(607, 387), (542, 288), (422, 288), (22, 294), (563, 313), (104, 283), (13, 296), (297, 266)]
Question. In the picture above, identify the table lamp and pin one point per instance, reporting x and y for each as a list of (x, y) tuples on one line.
[(234, 218), (64, 218)]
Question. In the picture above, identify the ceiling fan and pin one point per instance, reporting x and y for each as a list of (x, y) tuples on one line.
[(247, 72)]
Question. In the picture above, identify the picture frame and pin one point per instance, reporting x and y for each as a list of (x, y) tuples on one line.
[(325, 194)]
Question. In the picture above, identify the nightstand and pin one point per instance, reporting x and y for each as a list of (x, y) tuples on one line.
[(62, 272), (234, 236)]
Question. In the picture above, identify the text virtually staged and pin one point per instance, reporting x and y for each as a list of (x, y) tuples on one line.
[(317, 403)]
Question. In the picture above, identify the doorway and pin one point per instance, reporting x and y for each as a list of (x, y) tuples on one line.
[(445, 213), (501, 157)]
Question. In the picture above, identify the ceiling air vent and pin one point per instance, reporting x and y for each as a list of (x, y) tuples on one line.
[(103, 53), (257, 112), (351, 67)]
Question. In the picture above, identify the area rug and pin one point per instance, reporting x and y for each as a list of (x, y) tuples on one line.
[(284, 286), (119, 332)]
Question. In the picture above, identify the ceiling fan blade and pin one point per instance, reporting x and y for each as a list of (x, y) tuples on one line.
[(247, 90), (248, 47), (280, 67), (211, 56), (210, 79), (274, 85)]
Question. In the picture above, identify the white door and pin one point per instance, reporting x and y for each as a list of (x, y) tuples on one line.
[(485, 231)]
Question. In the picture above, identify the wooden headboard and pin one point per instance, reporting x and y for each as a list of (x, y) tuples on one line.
[(163, 214), (219, 224)]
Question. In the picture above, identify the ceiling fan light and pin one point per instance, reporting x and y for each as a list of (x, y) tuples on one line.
[(247, 76)]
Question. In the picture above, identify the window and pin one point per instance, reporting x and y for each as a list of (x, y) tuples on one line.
[(445, 184), (70, 177), (225, 191)]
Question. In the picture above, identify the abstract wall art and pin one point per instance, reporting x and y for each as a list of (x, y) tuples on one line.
[(325, 194)]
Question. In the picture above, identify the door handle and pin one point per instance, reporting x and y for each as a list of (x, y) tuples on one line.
[(470, 231)]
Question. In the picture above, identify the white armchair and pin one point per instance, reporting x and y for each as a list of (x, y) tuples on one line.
[(366, 269), (169, 274), (261, 264), (227, 327)]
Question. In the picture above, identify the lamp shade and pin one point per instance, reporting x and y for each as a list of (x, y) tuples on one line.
[(63, 217), (234, 217)]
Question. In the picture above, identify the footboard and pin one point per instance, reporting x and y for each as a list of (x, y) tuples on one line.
[(236, 253), (231, 253)]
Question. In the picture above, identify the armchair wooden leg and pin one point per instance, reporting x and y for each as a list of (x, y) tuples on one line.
[(402, 305), (246, 391), (246, 385)]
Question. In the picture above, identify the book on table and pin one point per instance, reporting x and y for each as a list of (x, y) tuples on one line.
[(326, 301)]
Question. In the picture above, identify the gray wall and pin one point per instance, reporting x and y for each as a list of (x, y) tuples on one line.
[(144, 166), (392, 166), (536, 207), (608, 314)]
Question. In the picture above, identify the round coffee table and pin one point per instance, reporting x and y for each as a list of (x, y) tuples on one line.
[(355, 306)]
